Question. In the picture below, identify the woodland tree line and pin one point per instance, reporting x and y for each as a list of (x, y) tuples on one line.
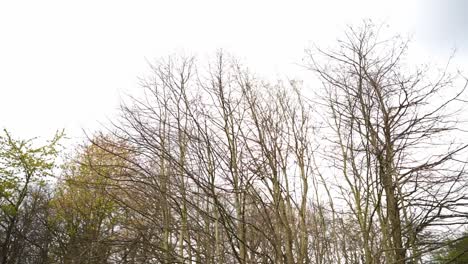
[(215, 165)]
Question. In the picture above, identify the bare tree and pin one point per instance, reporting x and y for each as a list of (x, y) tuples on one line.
[(222, 153), (211, 164), (401, 173)]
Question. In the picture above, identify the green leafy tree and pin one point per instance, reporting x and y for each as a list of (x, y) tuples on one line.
[(84, 215), (24, 167)]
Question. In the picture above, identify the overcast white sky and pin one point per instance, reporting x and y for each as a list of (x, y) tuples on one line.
[(65, 64)]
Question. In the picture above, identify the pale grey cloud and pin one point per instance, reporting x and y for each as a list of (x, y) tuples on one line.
[(442, 26)]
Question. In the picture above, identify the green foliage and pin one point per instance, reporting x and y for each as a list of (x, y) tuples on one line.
[(22, 164), (24, 168), (456, 252), (83, 210)]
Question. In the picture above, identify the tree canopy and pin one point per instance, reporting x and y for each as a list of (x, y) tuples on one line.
[(213, 164)]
